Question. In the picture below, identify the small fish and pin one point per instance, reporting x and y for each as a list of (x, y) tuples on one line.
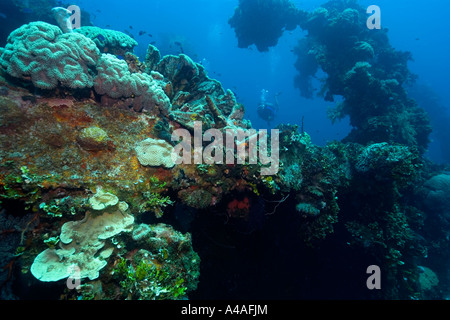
[(153, 42), (131, 27), (129, 33), (150, 35), (177, 43), (108, 26), (101, 38), (120, 57), (142, 32), (2, 15), (27, 10)]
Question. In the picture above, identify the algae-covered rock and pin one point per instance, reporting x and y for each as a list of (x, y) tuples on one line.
[(93, 139)]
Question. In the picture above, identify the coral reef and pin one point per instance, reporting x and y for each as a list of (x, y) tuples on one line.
[(97, 187), (364, 69), (372, 182), (79, 145), (22, 12), (109, 41), (42, 52), (262, 22), (118, 86), (81, 242), (194, 96), (167, 268), (360, 65)]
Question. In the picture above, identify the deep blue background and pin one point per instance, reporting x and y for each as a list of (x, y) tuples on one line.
[(201, 26)]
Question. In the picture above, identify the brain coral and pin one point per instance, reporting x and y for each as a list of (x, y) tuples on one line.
[(115, 80), (152, 152), (41, 51), (110, 41)]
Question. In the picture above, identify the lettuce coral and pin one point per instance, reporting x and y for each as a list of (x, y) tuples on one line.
[(82, 243), (41, 51)]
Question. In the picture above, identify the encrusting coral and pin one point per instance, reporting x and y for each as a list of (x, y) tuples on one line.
[(152, 152)]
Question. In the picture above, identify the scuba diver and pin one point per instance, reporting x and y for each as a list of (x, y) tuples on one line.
[(266, 110)]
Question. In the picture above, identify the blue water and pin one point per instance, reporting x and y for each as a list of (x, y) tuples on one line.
[(201, 26)]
